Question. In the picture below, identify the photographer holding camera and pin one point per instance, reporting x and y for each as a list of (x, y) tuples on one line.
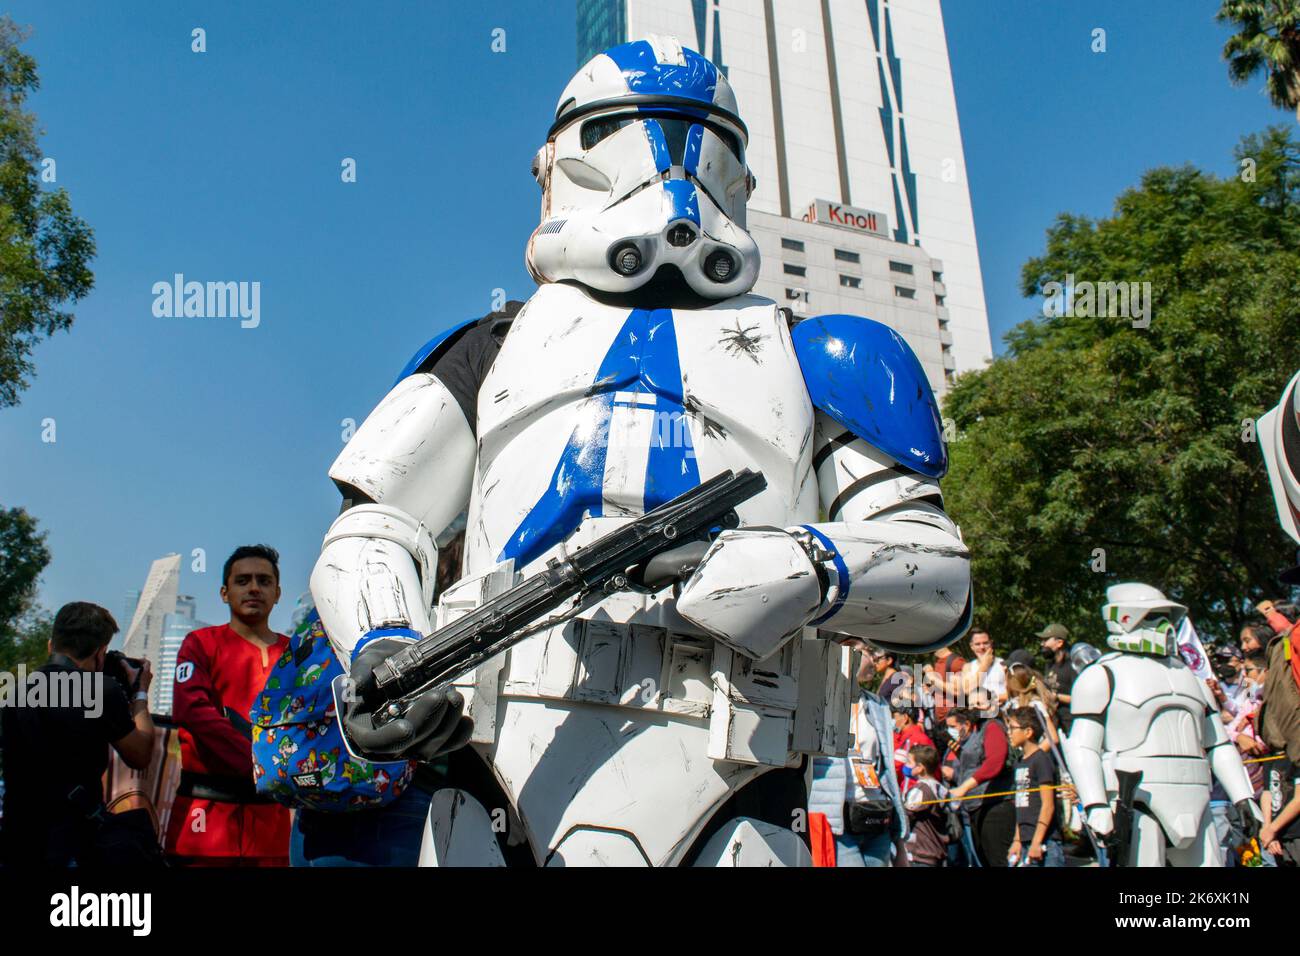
[(56, 738)]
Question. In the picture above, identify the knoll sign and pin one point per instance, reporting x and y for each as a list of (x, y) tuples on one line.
[(848, 217)]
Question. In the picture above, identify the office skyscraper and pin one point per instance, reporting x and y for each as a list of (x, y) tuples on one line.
[(175, 626), (862, 204), (157, 600)]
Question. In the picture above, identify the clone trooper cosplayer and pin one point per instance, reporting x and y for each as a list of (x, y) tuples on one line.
[(1145, 710), (666, 728)]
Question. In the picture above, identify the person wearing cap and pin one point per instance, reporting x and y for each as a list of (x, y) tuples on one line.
[(1059, 672), (1227, 683)]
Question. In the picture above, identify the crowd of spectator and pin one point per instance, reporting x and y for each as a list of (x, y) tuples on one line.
[(956, 757), (978, 758)]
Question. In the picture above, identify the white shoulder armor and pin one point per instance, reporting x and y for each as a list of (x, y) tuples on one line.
[(414, 452)]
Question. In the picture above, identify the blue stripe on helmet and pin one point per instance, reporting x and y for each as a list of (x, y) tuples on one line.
[(686, 204), (697, 80), (694, 143), (658, 145)]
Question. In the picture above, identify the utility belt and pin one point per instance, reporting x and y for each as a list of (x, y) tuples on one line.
[(224, 789), (752, 708)]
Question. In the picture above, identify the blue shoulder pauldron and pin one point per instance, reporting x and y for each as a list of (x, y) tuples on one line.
[(863, 375)]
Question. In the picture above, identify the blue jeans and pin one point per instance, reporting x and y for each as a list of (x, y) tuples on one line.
[(386, 837), (963, 853), (858, 849), (1053, 855)]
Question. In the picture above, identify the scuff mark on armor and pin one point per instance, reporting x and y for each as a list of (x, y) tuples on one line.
[(947, 599), (740, 341), (720, 593), (568, 329), (807, 436), (712, 429)]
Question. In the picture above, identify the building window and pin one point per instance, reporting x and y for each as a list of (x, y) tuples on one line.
[(794, 245), (852, 282), (792, 270), (799, 294), (938, 276), (843, 255), (903, 292), (938, 299), (903, 267)]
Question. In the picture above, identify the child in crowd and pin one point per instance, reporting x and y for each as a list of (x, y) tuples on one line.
[(927, 841), (1038, 833)]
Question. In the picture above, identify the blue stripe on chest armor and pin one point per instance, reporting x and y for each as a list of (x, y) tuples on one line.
[(863, 375), (643, 361)]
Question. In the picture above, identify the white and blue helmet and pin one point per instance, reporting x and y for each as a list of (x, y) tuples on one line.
[(644, 168)]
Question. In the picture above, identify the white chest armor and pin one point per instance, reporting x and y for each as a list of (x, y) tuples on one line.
[(630, 698), (1155, 710), (590, 407)]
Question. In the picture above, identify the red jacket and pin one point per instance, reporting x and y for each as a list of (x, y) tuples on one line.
[(904, 741), (216, 669)]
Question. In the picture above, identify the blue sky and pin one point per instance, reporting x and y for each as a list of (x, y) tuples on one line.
[(180, 433)]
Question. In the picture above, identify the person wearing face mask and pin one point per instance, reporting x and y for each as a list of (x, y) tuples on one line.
[(1059, 672), (1227, 678), (908, 733), (1244, 729), (983, 766)]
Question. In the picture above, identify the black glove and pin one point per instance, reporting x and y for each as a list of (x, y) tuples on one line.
[(1249, 825), (431, 724)]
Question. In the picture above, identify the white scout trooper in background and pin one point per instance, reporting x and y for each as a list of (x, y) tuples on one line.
[(658, 729), (1147, 712)]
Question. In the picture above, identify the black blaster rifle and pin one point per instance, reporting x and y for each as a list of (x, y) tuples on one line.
[(1122, 837), (622, 560)]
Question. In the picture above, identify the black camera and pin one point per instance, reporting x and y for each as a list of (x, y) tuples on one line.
[(115, 666)]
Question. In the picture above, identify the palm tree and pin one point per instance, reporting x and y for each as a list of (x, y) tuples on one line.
[(1268, 39)]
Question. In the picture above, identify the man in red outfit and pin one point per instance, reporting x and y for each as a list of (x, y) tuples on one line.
[(218, 818)]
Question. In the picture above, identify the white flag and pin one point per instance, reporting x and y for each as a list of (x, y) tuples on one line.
[(1192, 651)]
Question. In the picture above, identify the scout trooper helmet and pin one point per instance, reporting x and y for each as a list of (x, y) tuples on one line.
[(1279, 440), (643, 169), (1141, 620)]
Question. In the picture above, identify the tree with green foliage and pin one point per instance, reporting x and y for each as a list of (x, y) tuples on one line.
[(1097, 450), (24, 629), (45, 250), (1268, 40)]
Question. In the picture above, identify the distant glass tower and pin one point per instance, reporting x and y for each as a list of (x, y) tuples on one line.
[(862, 203), (175, 627), (145, 635)]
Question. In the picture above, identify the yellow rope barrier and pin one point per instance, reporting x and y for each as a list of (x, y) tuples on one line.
[(1063, 786)]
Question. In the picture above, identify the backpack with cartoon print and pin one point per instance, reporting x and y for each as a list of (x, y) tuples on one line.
[(299, 757)]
